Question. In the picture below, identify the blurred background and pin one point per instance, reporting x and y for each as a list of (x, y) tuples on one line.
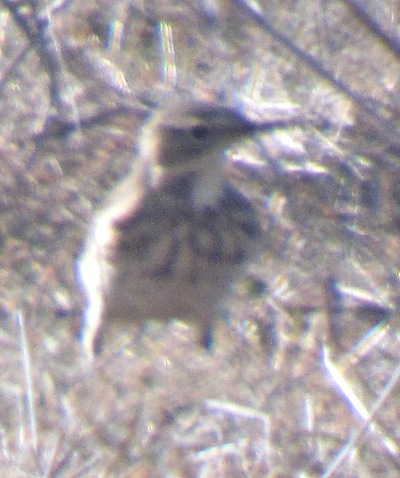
[(303, 380)]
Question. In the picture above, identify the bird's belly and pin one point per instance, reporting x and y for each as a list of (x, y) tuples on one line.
[(179, 262), (137, 295)]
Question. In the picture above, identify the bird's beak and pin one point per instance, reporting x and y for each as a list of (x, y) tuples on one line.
[(277, 124)]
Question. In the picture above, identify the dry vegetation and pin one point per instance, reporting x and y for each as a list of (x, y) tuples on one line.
[(297, 385)]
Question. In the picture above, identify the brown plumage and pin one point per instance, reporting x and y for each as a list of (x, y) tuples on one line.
[(174, 235)]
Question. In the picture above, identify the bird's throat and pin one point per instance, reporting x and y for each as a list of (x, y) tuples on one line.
[(207, 187)]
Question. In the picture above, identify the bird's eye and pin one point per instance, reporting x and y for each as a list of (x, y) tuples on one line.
[(200, 132)]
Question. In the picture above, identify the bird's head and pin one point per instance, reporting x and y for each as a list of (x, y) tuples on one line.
[(190, 136)]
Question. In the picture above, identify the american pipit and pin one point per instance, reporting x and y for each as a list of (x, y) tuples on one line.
[(175, 233)]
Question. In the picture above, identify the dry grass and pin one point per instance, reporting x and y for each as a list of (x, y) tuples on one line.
[(298, 384)]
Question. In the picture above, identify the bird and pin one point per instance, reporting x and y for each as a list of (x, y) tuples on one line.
[(174, 235)]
